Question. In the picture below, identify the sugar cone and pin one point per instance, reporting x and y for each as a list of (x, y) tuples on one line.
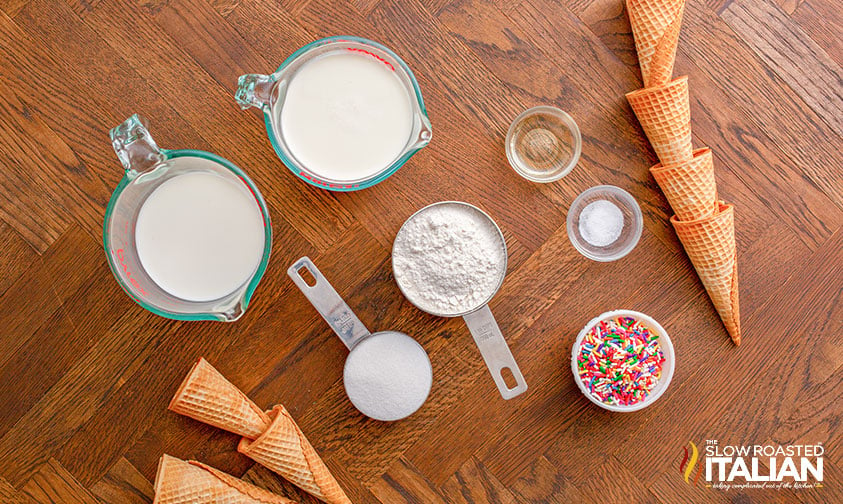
[(284, 449), (181, 482), (655, 26), (710, 244), (689, 187), (665, 116), (206, 395)]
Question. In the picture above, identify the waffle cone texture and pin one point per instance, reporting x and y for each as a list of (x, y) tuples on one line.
[(205, 395), (655, 26), (710, 244), (284, 449), (272, 438), (665, 116), (690, 187), (190, 482)]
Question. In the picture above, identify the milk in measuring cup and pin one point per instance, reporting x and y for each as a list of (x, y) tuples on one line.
[(200, 236), (346, 115)]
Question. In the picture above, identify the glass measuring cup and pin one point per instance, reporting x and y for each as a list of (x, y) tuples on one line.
[(268, 93), (381, 403), (479, 319), (147, 167)]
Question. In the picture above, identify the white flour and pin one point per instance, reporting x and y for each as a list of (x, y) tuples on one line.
[(448, 259)]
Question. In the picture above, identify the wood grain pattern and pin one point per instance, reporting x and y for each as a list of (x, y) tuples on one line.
[(86, 374)]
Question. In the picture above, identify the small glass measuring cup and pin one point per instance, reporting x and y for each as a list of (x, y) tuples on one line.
[(147, 167), (479, 319), (268, 92), (352, 333)]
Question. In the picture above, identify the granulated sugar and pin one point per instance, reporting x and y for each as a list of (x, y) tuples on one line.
[(601, 223), (387, 376), (449, 259)]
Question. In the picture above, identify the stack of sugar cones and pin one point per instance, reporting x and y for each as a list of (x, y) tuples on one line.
[(191, 482), (271, 438), (704, 225)]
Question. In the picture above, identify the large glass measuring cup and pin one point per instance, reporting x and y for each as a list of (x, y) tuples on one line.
[(269, 92), (147, 167)]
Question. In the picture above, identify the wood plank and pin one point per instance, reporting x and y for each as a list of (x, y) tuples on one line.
[(473, 483), (785, 312), (33, 371), (204, 34), (123, 484), (82, 7), (613, 482), (17, 256), (75, 398), (40, 221), (53, 484), (264, 478), (11, 495), (51, 280), (822, 21), (51, 85), (792, 54), (12, 7), (542, 483), (403, 483), (120, 422), (671, 487), (224, 7), (754, 159)]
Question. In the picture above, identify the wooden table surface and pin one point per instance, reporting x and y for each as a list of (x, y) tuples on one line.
[(86, 375)]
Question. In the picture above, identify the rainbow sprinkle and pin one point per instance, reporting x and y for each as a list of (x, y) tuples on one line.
[(620, 361)]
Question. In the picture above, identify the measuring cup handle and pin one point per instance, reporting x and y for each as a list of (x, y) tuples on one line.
[(254, 90), (328, 303), (489, 339), (135, 147)]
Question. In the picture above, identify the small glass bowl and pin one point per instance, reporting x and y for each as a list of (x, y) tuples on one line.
[(633, 223), (667, 368), (543, 144)]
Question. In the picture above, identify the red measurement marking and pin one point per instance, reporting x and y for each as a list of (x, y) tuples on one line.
[(385, 62), (121, 257)]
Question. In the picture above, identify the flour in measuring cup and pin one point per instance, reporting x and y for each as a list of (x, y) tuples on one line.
[(449, 259)]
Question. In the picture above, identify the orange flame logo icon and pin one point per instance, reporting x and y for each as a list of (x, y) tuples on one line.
[(689, 462)]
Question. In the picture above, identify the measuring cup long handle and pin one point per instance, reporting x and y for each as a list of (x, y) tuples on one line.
[(328, 303), (489, 339)]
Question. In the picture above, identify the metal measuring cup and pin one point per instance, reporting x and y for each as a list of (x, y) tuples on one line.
[(479, 319), (352, 332)]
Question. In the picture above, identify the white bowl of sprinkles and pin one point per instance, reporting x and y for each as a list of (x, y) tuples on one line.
[(626, 363)]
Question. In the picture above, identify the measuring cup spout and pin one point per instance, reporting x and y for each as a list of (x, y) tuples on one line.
[(255, 90), (135, 147)]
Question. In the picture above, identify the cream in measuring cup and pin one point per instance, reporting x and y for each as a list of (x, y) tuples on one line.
[(186, 232), (343, 113)]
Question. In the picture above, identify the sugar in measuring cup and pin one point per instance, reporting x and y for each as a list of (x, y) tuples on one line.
[(449, 259), (343, 113), (187, 233), (387, 374)]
